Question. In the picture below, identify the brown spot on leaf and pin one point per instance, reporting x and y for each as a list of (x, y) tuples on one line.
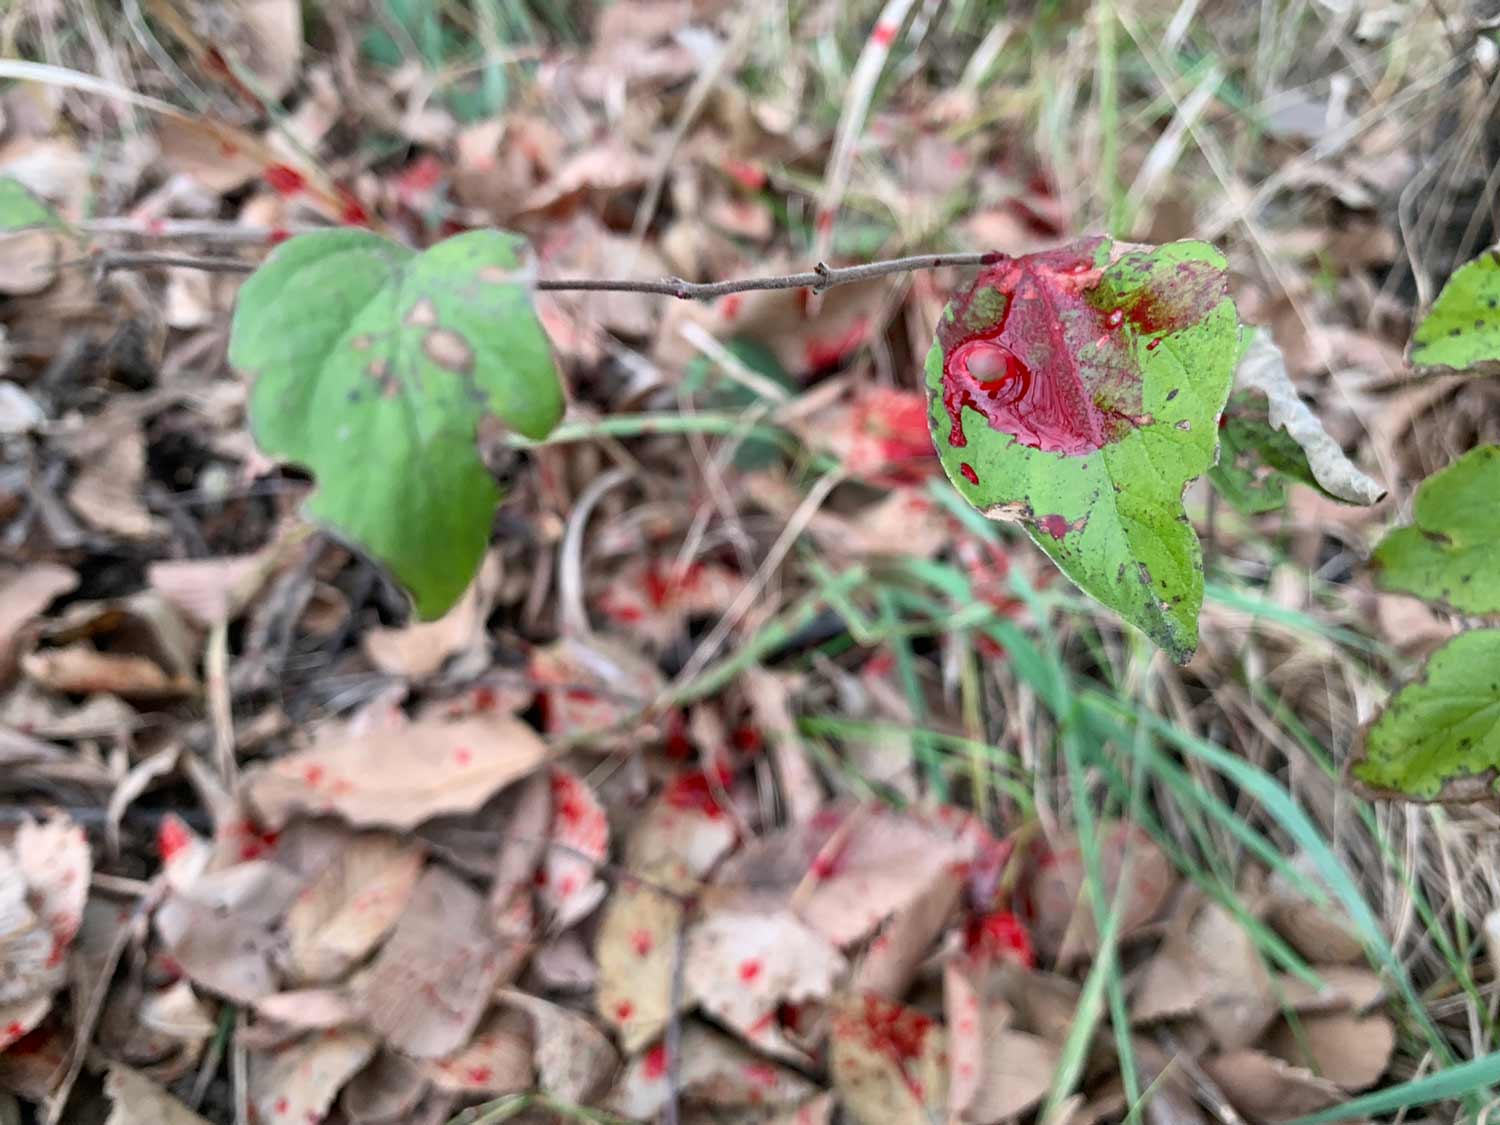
[(423, 314), (449, 350)]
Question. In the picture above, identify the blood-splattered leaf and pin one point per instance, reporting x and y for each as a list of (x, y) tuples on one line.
[(579, 842), (1462, 332), (299, 1081), (889, 1062), (375, 366), (713, 1070), (1437, 738), (496, 1061), (635, 950), (1078, 391), (1448, 553), (399, 778)]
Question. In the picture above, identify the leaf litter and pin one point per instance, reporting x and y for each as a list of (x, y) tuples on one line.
[(412, 866)]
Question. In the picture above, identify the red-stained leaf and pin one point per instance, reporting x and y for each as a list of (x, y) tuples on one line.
[(351, 904), (299, 1081), (685, 831), (591, 686), (652, 599), (880, 434), (713, 1070), (399, 779), (742, 967), (889, 1062), (634, 950), (497, 1060), (567, 886)]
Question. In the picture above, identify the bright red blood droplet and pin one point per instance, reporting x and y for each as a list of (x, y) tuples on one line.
[(654, 1065), (968, 473), (1152, 346), (624, 1010), (351, 211), (884, 34), (729, 307), (746, 739), (695, 792), (277, 235), (171, 837), (642, 942), (1054, 525), (281, 1106), (749, 970), (284, 179), (1000, 935), (313, 774)]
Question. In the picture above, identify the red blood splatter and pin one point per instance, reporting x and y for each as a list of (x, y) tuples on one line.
[(419, 177), (642, 942), (622, 611), (1153, 344), (277, 235), (171, 837), (884, 34), (968, 473), (567, 885), (893, 444), (463, 755), (678, 746), (822, 354), (540, 878), (762, 1074), (624, 1010), (351, 211), (880, 665), (824, 867), (897, 1032), (485, 699), (746, 740), (1054, 525), (1000, 936), (158, 225), (749, 970), (1019, 369), (697, 792), (479, 1074), (729, 307), (824, 224), (749, 175), (13, 1031), (313, 774), (284, 179), (654, 1065), (280, 1106)]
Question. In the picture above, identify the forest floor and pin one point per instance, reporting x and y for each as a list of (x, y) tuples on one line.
[(755, 778)]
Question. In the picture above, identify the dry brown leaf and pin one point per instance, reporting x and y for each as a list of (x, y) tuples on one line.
[(1344, 988), (889, 1063), (1264, 1088), (399, 779), (420, 649), (589, 686), (25, 593), (106, 491), (209, 591), (496, 1061), (1062, 924), (299, 1081), (879, 434), (1321, 932), (177, 1012), (1350, 1050), (139, 1101), (741, 966), (770, 699), (83, 669), (342, 914), (1210, 969), (432, 980), (269, 42), (218, 929), (634, 951), (215, 158), (573, 1057), (385, 1092), (138, 647), (891, 961), (567, 886), (713, 1070), (525, 810)]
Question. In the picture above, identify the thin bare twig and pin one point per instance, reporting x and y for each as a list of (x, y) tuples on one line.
[(819, 278)]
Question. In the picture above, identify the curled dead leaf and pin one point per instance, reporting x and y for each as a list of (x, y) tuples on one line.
[(1350, 1050), (1264, 1088)]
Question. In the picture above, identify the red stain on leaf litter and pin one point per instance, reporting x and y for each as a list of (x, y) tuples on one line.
[(1000, 936), (697, 792), (171, 837), (284, 179), (749, 970), (1033, 353), (654, 1065), (968, 472), (642, 942), (892, 1030), (624, 1010), (884, 34)]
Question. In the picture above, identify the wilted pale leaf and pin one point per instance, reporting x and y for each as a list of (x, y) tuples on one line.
[(139, 1101), (420, 649), (400, 778), (23, 595), (1078, 391), (634, 950), (592, 685), (996, 1072), (385, 1092), (573, 1057)]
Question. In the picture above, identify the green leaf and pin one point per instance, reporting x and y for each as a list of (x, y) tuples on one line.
[(20, 209), (1256, 460), (1439, 738), (1462, 332), (1078, 391), (1449, 552), (374, 366)]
